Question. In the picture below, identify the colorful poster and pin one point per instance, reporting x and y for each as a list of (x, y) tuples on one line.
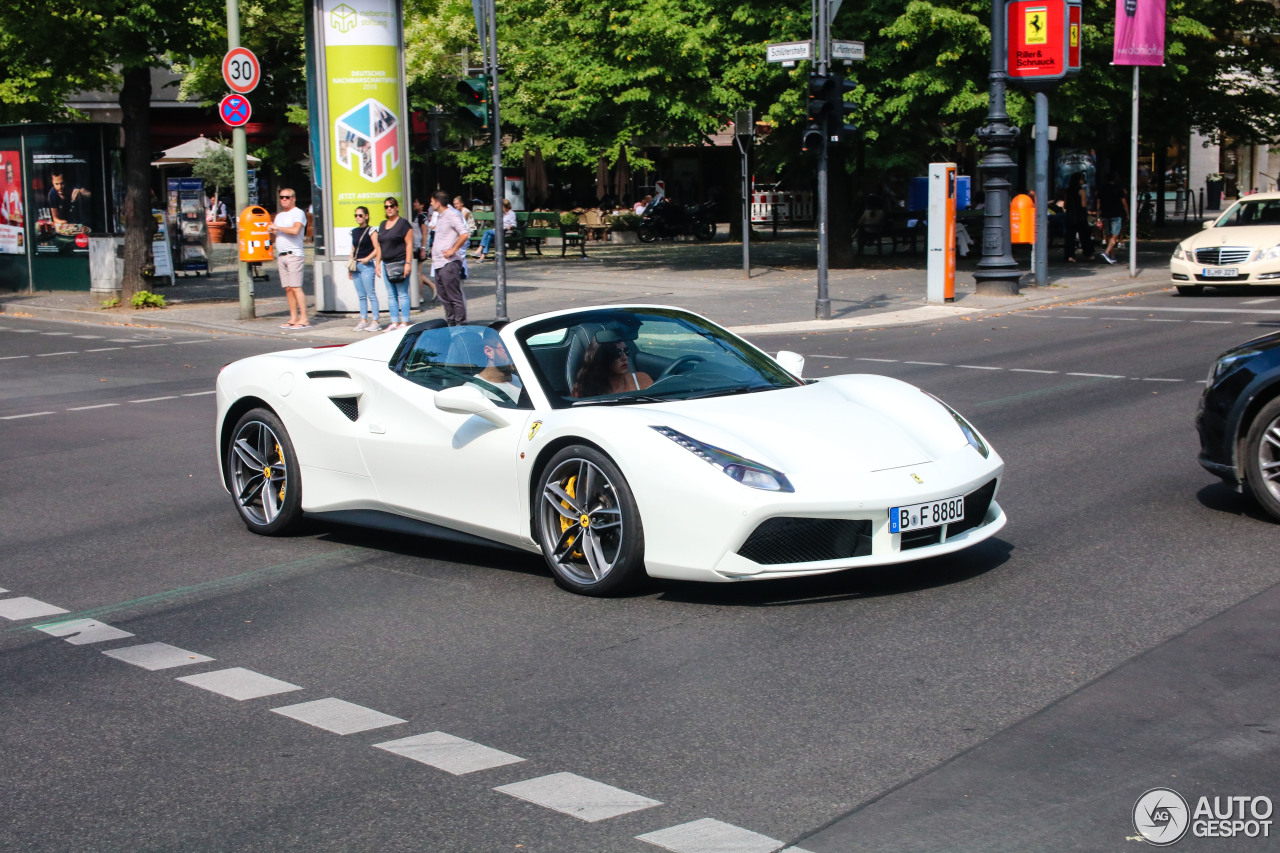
[(62, 202), (12, 231), (368, 150), (1139, 32), (161, 254)]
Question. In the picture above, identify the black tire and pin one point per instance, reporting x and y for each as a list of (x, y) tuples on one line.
[(1190, 289), (1262, 458), (648, 232), (262, 472), (593, 547), (705, 231)]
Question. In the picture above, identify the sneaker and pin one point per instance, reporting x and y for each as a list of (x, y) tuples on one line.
[(372, 327), (1108, 258), (360, 327)]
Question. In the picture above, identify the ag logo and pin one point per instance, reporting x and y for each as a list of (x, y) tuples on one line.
[(1161, 816)]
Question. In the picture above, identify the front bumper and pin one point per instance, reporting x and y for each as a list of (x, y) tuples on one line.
[(1186, 272)]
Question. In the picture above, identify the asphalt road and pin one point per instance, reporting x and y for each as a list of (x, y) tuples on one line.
[(855, 711)]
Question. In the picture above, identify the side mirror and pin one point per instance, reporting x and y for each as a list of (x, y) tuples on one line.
[(792, 362), (1210, 223), (469, 400)]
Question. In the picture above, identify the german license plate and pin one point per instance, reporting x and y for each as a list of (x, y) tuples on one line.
[(1220, 272), (928, 514)]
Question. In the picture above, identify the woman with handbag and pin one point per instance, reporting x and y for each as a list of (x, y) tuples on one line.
[(394, 239), (362, 269)]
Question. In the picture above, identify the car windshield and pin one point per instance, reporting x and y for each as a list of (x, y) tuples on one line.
[(624, 356), (1255, 212)]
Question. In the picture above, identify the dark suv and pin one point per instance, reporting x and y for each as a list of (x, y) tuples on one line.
[(1239, 420)]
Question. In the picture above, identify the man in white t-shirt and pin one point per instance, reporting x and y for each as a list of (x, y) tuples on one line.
[(288, 226)]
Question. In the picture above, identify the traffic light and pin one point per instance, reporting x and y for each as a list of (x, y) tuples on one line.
[(818, 111), (474, 111), (839, 128)]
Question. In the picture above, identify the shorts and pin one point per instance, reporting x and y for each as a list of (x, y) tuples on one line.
[(1113, 225), (290, 270)]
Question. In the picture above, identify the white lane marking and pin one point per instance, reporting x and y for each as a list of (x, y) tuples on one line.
[(337, 716), (199, 393), (1074, 317), (7, 357), (578, 796), (155, 656), (87, 408), (81, 632), (180, 343), (28, 415), (66, 352), (929, 363), (27, 331), (1214, 322), (55, 334), (123, 340), (448, 753), (104, 349), (1159, 379), (88, 337), (1259, 301), (26, 607), (1097, 375), (239, 683), (710, 836), (883, 360), (144, 346), (1153, 308), (154, 399), (3, 590), (1029, 370), (1128, 320), (1160, 320), (978, 367)]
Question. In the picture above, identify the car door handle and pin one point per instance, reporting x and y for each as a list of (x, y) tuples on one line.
[(377, 429)]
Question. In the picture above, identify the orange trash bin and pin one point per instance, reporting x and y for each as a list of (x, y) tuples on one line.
[(1022, 219), (255, 238)]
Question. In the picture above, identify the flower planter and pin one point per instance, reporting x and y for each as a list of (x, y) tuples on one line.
[(624, 236), (217, 232)]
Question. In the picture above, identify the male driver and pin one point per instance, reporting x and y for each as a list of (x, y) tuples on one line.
[(66, 206), (288, 226), (451, 236), (499, 374)]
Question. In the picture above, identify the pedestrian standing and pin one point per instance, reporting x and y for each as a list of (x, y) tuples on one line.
[(364, 252), (422, 246), (1077, 220), (287, 229), (471, 228), (451, 237), (395, 248)]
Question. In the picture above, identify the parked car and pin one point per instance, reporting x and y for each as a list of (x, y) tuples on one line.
[(700, 457), (1242, 246), (1239, 420)]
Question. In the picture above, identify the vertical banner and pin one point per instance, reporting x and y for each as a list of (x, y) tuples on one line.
[(363, 92), (12, 231), (1139, 32)]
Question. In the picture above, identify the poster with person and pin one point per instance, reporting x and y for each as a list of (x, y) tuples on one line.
[(63, 202), (12, 232)]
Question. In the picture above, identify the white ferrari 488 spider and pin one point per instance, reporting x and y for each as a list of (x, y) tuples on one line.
[(618, 442)]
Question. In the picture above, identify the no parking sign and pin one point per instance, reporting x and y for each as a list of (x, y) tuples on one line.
[(235, 110)]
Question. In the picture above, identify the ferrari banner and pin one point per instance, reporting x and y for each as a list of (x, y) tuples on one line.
[(1139, 32)]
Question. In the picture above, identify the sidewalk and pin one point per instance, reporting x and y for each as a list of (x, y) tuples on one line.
[(707, 278)]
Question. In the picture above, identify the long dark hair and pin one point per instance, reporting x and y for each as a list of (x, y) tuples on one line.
[(593, 377)]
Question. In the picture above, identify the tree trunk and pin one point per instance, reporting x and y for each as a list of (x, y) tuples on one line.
[(135, 109)]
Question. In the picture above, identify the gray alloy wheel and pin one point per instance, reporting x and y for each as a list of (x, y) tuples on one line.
[(262, 473), (588, 524), (1262, 458)]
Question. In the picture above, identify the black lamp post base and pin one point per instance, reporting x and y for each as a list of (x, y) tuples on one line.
[(997, 282)]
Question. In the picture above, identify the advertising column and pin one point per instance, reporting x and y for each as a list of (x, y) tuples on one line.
[(366, 155)]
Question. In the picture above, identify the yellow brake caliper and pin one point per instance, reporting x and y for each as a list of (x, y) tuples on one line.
[(565, 523), (280, 456)]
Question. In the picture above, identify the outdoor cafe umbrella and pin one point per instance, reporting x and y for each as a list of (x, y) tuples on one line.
[(602, 179), (622, 175), (535, 176), (188, 152)]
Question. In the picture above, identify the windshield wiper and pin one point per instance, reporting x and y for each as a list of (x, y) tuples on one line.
[(726, 392), (634, 398)]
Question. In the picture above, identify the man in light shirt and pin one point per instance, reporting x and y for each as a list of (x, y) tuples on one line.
[(448, 244), (287, 229)]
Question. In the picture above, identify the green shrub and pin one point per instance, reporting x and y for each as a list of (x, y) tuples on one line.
[(113, 302), (568, 220), (146, 299), (624, 222)]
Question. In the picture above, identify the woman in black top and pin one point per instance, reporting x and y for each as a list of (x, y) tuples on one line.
[(364, 249), (394, 238), (1077, 220)]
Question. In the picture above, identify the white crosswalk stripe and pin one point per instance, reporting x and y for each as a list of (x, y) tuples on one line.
[(578, 796), (337, 716), (448, 753)]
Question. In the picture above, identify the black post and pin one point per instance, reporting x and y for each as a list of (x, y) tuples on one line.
[(822, 25), (998, 273)]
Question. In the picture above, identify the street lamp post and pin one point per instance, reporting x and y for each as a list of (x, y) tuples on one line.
[(998, 272)]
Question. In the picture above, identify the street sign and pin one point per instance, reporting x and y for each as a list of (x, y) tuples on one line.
[(1039, 36), (240, 70), (235, 110), (789, 51), (849, 51)]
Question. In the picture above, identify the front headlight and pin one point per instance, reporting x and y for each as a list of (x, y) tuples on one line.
[(1181, 253), (745, 471), (1224, 365), (970, 434), (1270, 254)]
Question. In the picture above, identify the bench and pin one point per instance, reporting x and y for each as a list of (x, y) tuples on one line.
[(532, 227)]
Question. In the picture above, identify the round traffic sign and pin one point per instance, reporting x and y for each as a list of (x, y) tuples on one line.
[(235, 110), (240, 70)]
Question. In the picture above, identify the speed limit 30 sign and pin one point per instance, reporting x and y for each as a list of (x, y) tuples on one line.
[(240, 70)]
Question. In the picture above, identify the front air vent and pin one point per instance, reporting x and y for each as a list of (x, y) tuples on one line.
[(328, 374), (806, 540), (349, 406)]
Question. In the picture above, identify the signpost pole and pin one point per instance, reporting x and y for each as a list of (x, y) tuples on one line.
[(822, 27), (240, 154), (1040, 260), (743, 137)]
